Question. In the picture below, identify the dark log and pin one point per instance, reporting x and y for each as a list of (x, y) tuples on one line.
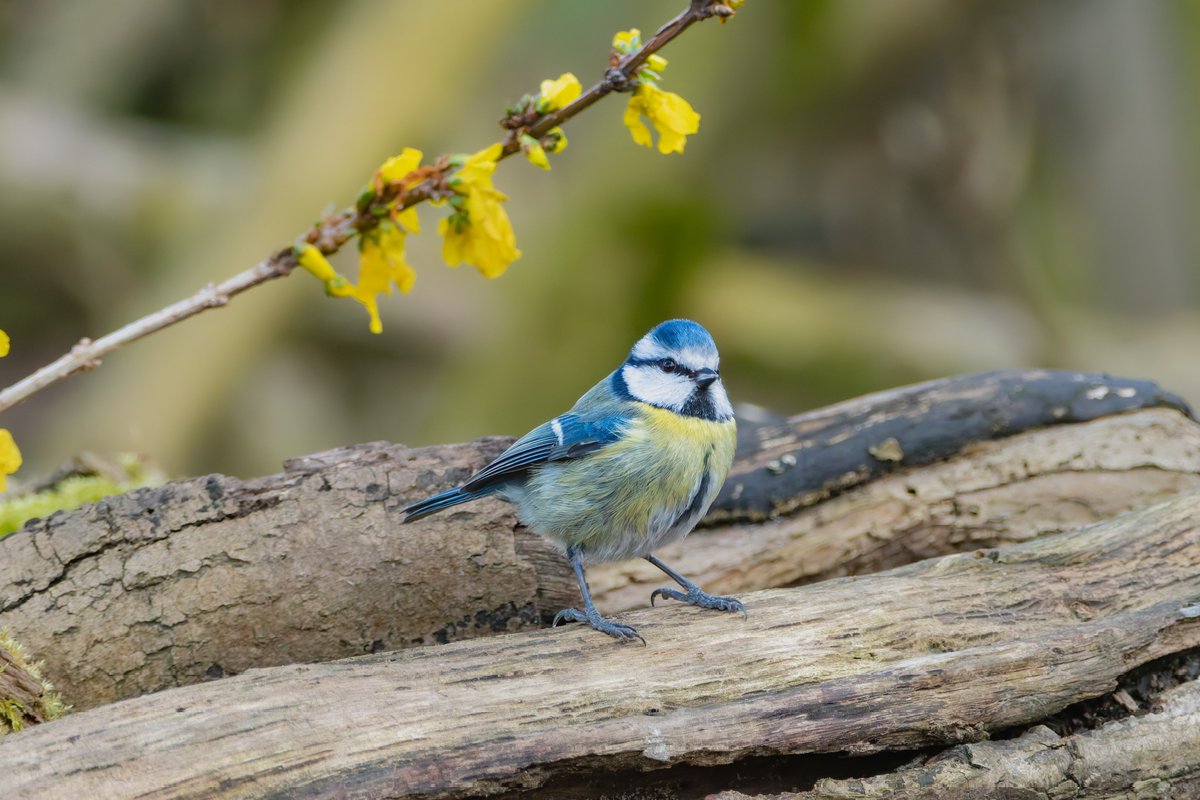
[(804, 459)]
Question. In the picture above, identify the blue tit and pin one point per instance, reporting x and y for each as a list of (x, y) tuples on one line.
[(632, 467)]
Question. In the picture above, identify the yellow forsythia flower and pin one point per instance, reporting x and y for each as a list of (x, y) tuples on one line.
[(479, 232), (478, 167), (556, 140), (396, 167), (625, 42), (656, 62), (534, 151), (558, 93), (381, 264), (10, 458), (672, 116), (315, 262)]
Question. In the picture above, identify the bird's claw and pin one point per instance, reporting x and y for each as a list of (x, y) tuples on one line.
[(698, 597), (615, 629)]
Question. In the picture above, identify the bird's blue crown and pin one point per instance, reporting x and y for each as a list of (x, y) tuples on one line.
[(683, 334)]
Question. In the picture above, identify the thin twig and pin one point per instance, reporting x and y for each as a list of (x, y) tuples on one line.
[(88, 354), (337, 229)]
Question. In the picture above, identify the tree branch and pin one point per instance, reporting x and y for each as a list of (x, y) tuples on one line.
[(332, 233)]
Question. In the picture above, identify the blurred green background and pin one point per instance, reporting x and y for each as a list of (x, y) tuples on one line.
[(881, 192)]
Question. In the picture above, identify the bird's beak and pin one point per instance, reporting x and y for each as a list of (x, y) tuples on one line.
[(706, 377)]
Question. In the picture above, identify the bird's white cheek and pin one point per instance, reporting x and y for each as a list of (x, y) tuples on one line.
[(651, 385), (721, 401)]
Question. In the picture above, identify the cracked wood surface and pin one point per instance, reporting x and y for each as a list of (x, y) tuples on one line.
[(939, 652), (211, 576), (203, 577), (1151, 756)]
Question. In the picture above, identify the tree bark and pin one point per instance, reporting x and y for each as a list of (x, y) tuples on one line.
[(935, 653), (209, 576), (212, 576), (1153, 756)]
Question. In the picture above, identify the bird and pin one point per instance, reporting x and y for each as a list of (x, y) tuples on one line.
[(633, 466)]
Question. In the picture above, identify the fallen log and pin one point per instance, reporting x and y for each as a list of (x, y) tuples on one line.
[(209, 576), (861, 439), (940, 652), (1152, 756), (212, 576)]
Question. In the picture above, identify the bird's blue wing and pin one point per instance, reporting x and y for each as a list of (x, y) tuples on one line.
[(565, 437), (570, 436)]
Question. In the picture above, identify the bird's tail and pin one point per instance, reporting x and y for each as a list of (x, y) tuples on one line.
[(432, 505)]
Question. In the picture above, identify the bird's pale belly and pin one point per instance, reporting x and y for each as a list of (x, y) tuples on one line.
[(635, 495)]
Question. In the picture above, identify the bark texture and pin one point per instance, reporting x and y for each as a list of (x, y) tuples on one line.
[(204, 577), (1152, 756), (212, 576), (940, 652)]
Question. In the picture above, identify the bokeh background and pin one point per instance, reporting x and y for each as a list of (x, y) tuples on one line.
[(881, 192)]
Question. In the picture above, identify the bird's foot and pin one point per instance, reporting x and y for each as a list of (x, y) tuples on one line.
[(592, 617), (698, 597)]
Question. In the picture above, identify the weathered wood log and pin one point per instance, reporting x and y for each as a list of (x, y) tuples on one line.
[(1153, 756), (939, 652), (202, 577), (214, 575)]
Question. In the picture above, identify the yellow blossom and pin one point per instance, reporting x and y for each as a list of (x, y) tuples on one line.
[(478, 167), (10, 458), (534, 151), (479, 231), (656, 62), (381, 264), (625, 41), (556, 140), (557, 93), (408, 218), (672, 116), (397, 167), (315, 262), (481, 234)]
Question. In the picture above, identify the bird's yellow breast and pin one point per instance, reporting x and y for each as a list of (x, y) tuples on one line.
[(628, 496)]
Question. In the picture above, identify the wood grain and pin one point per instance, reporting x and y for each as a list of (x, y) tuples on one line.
[(1151, 756)]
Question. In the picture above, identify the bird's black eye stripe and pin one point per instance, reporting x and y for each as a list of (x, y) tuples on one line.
[(668, 365)]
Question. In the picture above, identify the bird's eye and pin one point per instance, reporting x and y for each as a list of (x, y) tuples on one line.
[(668, 365)]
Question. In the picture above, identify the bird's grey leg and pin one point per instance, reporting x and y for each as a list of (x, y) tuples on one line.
[(694, 594), (589, 614)]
